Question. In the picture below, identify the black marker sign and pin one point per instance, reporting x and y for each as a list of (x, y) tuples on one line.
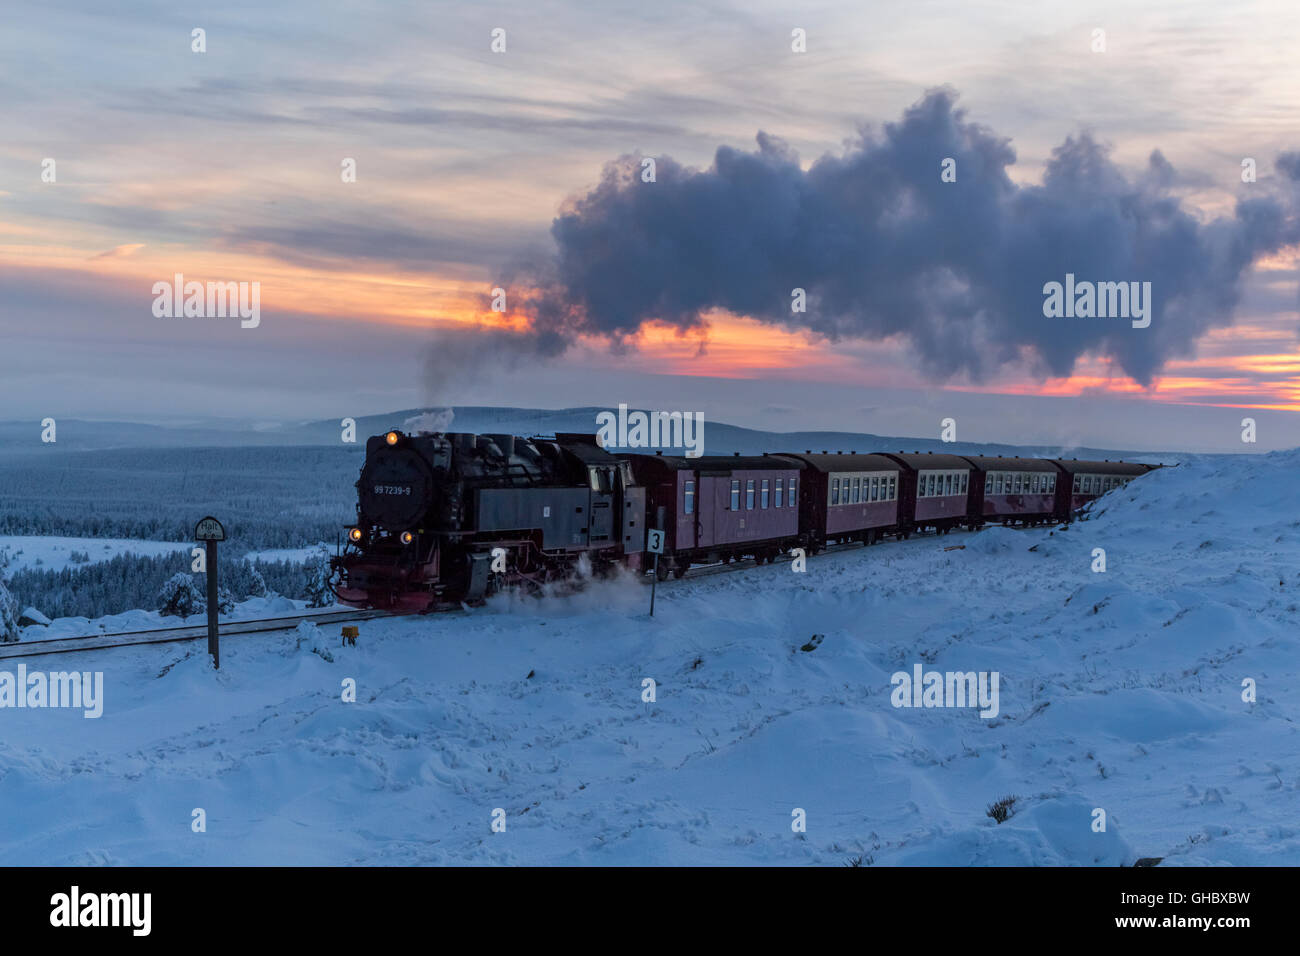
[(209, 530)]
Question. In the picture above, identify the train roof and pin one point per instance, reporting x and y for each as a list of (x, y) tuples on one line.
[(1074, 466), (717, 462), (917, 461), (998, 463), (582, 447), (850, 462)]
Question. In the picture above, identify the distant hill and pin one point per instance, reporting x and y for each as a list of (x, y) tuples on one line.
[(22, 438)]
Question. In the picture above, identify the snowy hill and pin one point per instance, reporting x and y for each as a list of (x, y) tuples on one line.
[(20, 440), (1119, 691)]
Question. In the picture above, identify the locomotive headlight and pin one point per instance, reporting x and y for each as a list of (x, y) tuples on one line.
[(407, 537), (355, 534), (392, 437)]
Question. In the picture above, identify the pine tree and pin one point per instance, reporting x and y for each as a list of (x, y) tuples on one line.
[(8, 609), (180, 597), (258, 587), (225, 601), (320, 593)]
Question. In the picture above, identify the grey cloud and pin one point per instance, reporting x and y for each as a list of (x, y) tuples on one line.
[(884, 248)]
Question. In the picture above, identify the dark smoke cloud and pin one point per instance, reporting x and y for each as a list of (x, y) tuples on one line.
[(884, 248), (461, 356)]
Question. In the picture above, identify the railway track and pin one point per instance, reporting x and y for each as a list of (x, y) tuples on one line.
[(170, 635)]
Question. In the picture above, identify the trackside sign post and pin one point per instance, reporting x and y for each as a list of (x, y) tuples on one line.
[(654, 543), (210, 531)]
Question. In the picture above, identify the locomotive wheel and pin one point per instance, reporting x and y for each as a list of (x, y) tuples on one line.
[(680, 571), (662, 571)]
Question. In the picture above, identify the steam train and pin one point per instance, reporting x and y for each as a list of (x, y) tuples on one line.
[(449, 518)]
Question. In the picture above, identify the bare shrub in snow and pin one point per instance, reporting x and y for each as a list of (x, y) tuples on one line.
[(1001, 809)]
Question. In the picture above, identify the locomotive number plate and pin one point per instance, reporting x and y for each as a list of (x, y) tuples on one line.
[(392, 489)]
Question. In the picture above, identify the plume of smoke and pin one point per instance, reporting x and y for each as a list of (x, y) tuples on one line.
[(885, 249), (462, 357), (433, 421)]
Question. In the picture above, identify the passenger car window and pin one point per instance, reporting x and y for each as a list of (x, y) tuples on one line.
[(792, 498), (749, 495), (779, 483), (835, 491), (689, 503), (735, 496), (765, 494), (893, 479), (857, 490)]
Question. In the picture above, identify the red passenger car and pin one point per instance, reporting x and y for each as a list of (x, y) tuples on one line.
[(848, 497), (1085, 481), (935, 491), (1013, 490), (716, 508)]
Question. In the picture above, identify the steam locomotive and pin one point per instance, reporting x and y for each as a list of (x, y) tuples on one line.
[(449, 518)]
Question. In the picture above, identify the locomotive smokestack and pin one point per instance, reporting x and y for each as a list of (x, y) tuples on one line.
[(505, 442)]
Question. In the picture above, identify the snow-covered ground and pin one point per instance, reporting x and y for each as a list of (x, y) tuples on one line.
[(1120, 691), (55, 553)]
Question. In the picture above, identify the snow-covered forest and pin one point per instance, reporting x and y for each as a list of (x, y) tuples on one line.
[(267, 497)]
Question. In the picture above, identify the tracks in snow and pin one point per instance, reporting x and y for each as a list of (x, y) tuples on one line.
[(169, 635)]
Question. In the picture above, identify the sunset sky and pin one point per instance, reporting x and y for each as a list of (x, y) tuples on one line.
[(225, 166)]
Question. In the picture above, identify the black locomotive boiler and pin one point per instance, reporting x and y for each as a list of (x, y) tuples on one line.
[(449, 518)]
